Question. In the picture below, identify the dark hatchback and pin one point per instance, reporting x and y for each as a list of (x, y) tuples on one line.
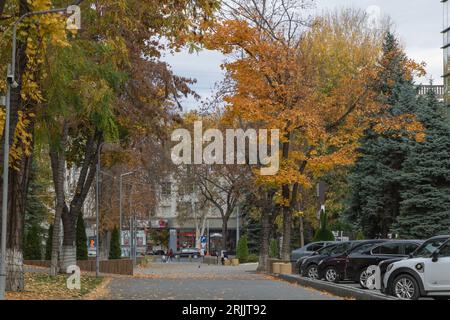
[(333, 268), (307, 266), (358, 261)]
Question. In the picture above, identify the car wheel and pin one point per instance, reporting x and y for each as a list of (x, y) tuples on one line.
[(405, 287), (312, 272), (363, 276), (331, 274)]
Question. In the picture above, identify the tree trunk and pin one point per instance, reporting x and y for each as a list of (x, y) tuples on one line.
[(69, 248), (265, 242), (302, 233), (58, 164), (286, 244), (224, 233)]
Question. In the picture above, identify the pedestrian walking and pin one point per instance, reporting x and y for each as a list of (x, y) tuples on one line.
[(170, 255)]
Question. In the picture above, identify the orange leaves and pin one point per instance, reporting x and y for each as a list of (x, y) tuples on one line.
[(316, 93)]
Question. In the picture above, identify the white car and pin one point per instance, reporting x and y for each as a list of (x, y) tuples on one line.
[(426, 273)]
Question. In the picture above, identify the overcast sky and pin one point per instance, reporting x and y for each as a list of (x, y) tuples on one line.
[(418, 24)]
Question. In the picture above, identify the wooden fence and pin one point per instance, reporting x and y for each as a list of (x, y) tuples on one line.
[(122, 266)]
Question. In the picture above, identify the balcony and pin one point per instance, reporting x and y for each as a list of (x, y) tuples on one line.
[(438, 90)]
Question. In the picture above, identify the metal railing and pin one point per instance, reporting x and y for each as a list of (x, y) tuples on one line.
[(439, 90)]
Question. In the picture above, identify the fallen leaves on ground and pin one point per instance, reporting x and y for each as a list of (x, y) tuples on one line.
[(41, 286)]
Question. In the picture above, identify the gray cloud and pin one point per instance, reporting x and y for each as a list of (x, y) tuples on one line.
[(418, 24)]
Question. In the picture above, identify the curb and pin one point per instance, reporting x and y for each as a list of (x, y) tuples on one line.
[(335, 289)]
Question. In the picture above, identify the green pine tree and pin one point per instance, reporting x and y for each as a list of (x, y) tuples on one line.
[(425, 206), (375, 181), (273, 249), (242, 249), (48, 244), (81, 239), (323, 234), (114, 248), (33, 245)]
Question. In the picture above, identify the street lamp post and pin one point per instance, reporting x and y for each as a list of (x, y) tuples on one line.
[(12, 84)]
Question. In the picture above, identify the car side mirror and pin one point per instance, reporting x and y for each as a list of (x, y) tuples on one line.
[(435, 256)]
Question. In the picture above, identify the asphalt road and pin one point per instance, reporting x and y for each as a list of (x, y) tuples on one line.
[(194, 281)]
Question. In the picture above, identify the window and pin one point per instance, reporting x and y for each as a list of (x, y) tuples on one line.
[(327, 249), (410, 248), (341, 248), (315, 247), (363, 248), (389, 248), (445, 250), (429, 247)]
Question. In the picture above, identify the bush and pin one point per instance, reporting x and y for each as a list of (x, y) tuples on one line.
[(253, 258), (323, 234), (273, 249), (242, 249), (360, 235), (114, 248), (81, 239), (48, 244), (33, 245)]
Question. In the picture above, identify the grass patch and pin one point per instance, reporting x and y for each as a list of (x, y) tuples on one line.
[(41, 286)]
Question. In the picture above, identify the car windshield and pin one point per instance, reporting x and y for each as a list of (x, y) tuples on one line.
[(326, 250), (427, 249), (341, 248)]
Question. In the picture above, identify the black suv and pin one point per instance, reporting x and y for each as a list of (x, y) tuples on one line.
[(307, 266), (358, 261)]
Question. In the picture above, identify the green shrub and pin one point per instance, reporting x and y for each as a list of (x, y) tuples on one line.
[(253, 258), (33, 245), (360, 235), (273, 249), (242, 249), (114, 249), (48, 244), (323, 234)]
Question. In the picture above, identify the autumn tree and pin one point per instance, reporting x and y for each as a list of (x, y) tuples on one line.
[(286, 78), (35, 35)]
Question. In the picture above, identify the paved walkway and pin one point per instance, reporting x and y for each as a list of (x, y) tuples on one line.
[(192, 281)]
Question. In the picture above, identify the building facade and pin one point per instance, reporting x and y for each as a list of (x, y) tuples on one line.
[(187, 220), (446, 48)]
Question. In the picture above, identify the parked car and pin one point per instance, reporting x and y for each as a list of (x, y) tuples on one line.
[(357, 262), (307, 266), (332, 268), (188, 252), (309, 249), (426, 273)]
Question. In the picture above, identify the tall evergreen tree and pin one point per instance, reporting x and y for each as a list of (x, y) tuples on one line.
[(33, 245), (425, 209), (81, 239), (374, 180), (114, 248), (48, 243)]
